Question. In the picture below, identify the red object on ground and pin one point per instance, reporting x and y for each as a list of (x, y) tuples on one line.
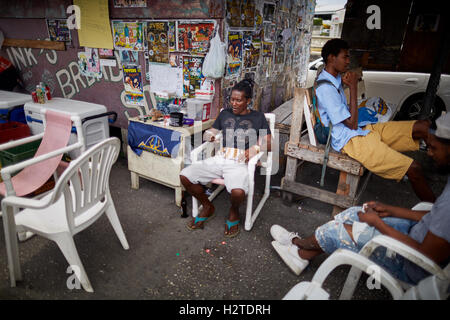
[(13, 131)]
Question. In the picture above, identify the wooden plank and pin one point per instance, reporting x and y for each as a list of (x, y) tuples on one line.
[(317, 194), (297, 115), (337, 162), (35, 44), (294, 137)]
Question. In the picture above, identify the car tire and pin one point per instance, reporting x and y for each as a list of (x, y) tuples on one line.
[(412, 108)]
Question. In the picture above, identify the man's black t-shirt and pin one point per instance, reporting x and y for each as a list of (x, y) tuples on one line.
[(241, 131)]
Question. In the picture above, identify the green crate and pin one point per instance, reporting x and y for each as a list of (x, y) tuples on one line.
[(20, 153)]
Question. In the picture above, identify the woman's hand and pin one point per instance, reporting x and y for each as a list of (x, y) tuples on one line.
[(250, 153)]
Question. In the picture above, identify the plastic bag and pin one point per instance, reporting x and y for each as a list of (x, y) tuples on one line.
[(214, 63)]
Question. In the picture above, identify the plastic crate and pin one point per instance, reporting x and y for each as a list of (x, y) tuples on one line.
[(20, 153), (13, 131)]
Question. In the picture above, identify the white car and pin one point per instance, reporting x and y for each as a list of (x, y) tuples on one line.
[(405, 90)]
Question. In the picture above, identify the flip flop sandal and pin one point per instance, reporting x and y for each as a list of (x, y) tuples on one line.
[(232, 224), (199, 219)]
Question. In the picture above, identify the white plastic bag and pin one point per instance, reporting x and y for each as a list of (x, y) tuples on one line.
[(214, 63)]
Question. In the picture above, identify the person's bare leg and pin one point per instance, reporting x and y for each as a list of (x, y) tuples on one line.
[(419, 184), (237, 198), (197, 191)]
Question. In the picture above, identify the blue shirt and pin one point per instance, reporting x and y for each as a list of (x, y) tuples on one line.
[(333, 107)]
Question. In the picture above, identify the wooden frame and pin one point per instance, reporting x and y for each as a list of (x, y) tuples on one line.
[(300, 148)]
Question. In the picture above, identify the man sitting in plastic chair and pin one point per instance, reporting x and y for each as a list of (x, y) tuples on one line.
[(377, 146), (427, 232), (245, 133)]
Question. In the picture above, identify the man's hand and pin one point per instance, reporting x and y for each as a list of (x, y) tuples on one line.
[(350, 79), (379, 208), (371, 217)]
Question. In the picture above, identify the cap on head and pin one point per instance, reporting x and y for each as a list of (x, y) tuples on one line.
[(443, 126)]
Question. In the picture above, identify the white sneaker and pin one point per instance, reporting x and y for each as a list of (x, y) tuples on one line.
[(290, 256), (283, 236)]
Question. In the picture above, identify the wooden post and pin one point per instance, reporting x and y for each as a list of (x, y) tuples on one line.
[(295, 133)]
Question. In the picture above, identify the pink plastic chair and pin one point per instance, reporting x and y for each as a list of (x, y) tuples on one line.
[(56, 136)]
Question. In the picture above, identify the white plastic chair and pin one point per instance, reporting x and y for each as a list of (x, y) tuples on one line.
[(46, 162), (79, 198), (433, 287), (250, 216)]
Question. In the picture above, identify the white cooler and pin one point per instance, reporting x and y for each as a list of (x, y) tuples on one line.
[(9, 100), (94, 118)]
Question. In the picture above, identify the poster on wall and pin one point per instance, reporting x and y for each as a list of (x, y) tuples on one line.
[(89, 63), (248, 13), (107, 57), (130, 3), (269, 12), (234, 54), (233, 13), (128, 57), (128, 35), (270, 30), (252, 49), (172, 33), (176, 59), (132, 81), (241, 13), (192, 75), (58, 30), (194, 37), (157, 40), (165, 78)]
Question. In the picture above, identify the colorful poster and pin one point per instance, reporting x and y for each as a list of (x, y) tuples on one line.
[(93, 60), (128, 35), (279, 55), (58, 30), (172, 36), (157, 40), (132, 81), (176, 60), (89, 64), (234, 54), (128, 57), (252, 49), (248, 13), (267, 49), (192, 75), (130, 3), (107, 57), (194, 37), (233, 13)]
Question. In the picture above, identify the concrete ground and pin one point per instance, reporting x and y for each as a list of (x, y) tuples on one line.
[(167, 261)]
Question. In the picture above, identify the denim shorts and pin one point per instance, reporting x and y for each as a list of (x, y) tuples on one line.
[(333, 235)]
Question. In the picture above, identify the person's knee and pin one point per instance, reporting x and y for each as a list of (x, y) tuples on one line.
[(238, 193), (185, 181)]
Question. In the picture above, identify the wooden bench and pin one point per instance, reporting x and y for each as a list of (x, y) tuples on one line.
[(300, 148)]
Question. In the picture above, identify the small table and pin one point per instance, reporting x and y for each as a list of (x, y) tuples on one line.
[(161, 169)]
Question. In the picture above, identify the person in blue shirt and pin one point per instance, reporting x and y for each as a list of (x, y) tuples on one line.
[(376, 146)]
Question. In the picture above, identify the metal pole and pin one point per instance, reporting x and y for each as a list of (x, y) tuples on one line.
[(435, 76)]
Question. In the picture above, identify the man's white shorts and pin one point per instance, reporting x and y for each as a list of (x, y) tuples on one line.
[(235, 174)]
